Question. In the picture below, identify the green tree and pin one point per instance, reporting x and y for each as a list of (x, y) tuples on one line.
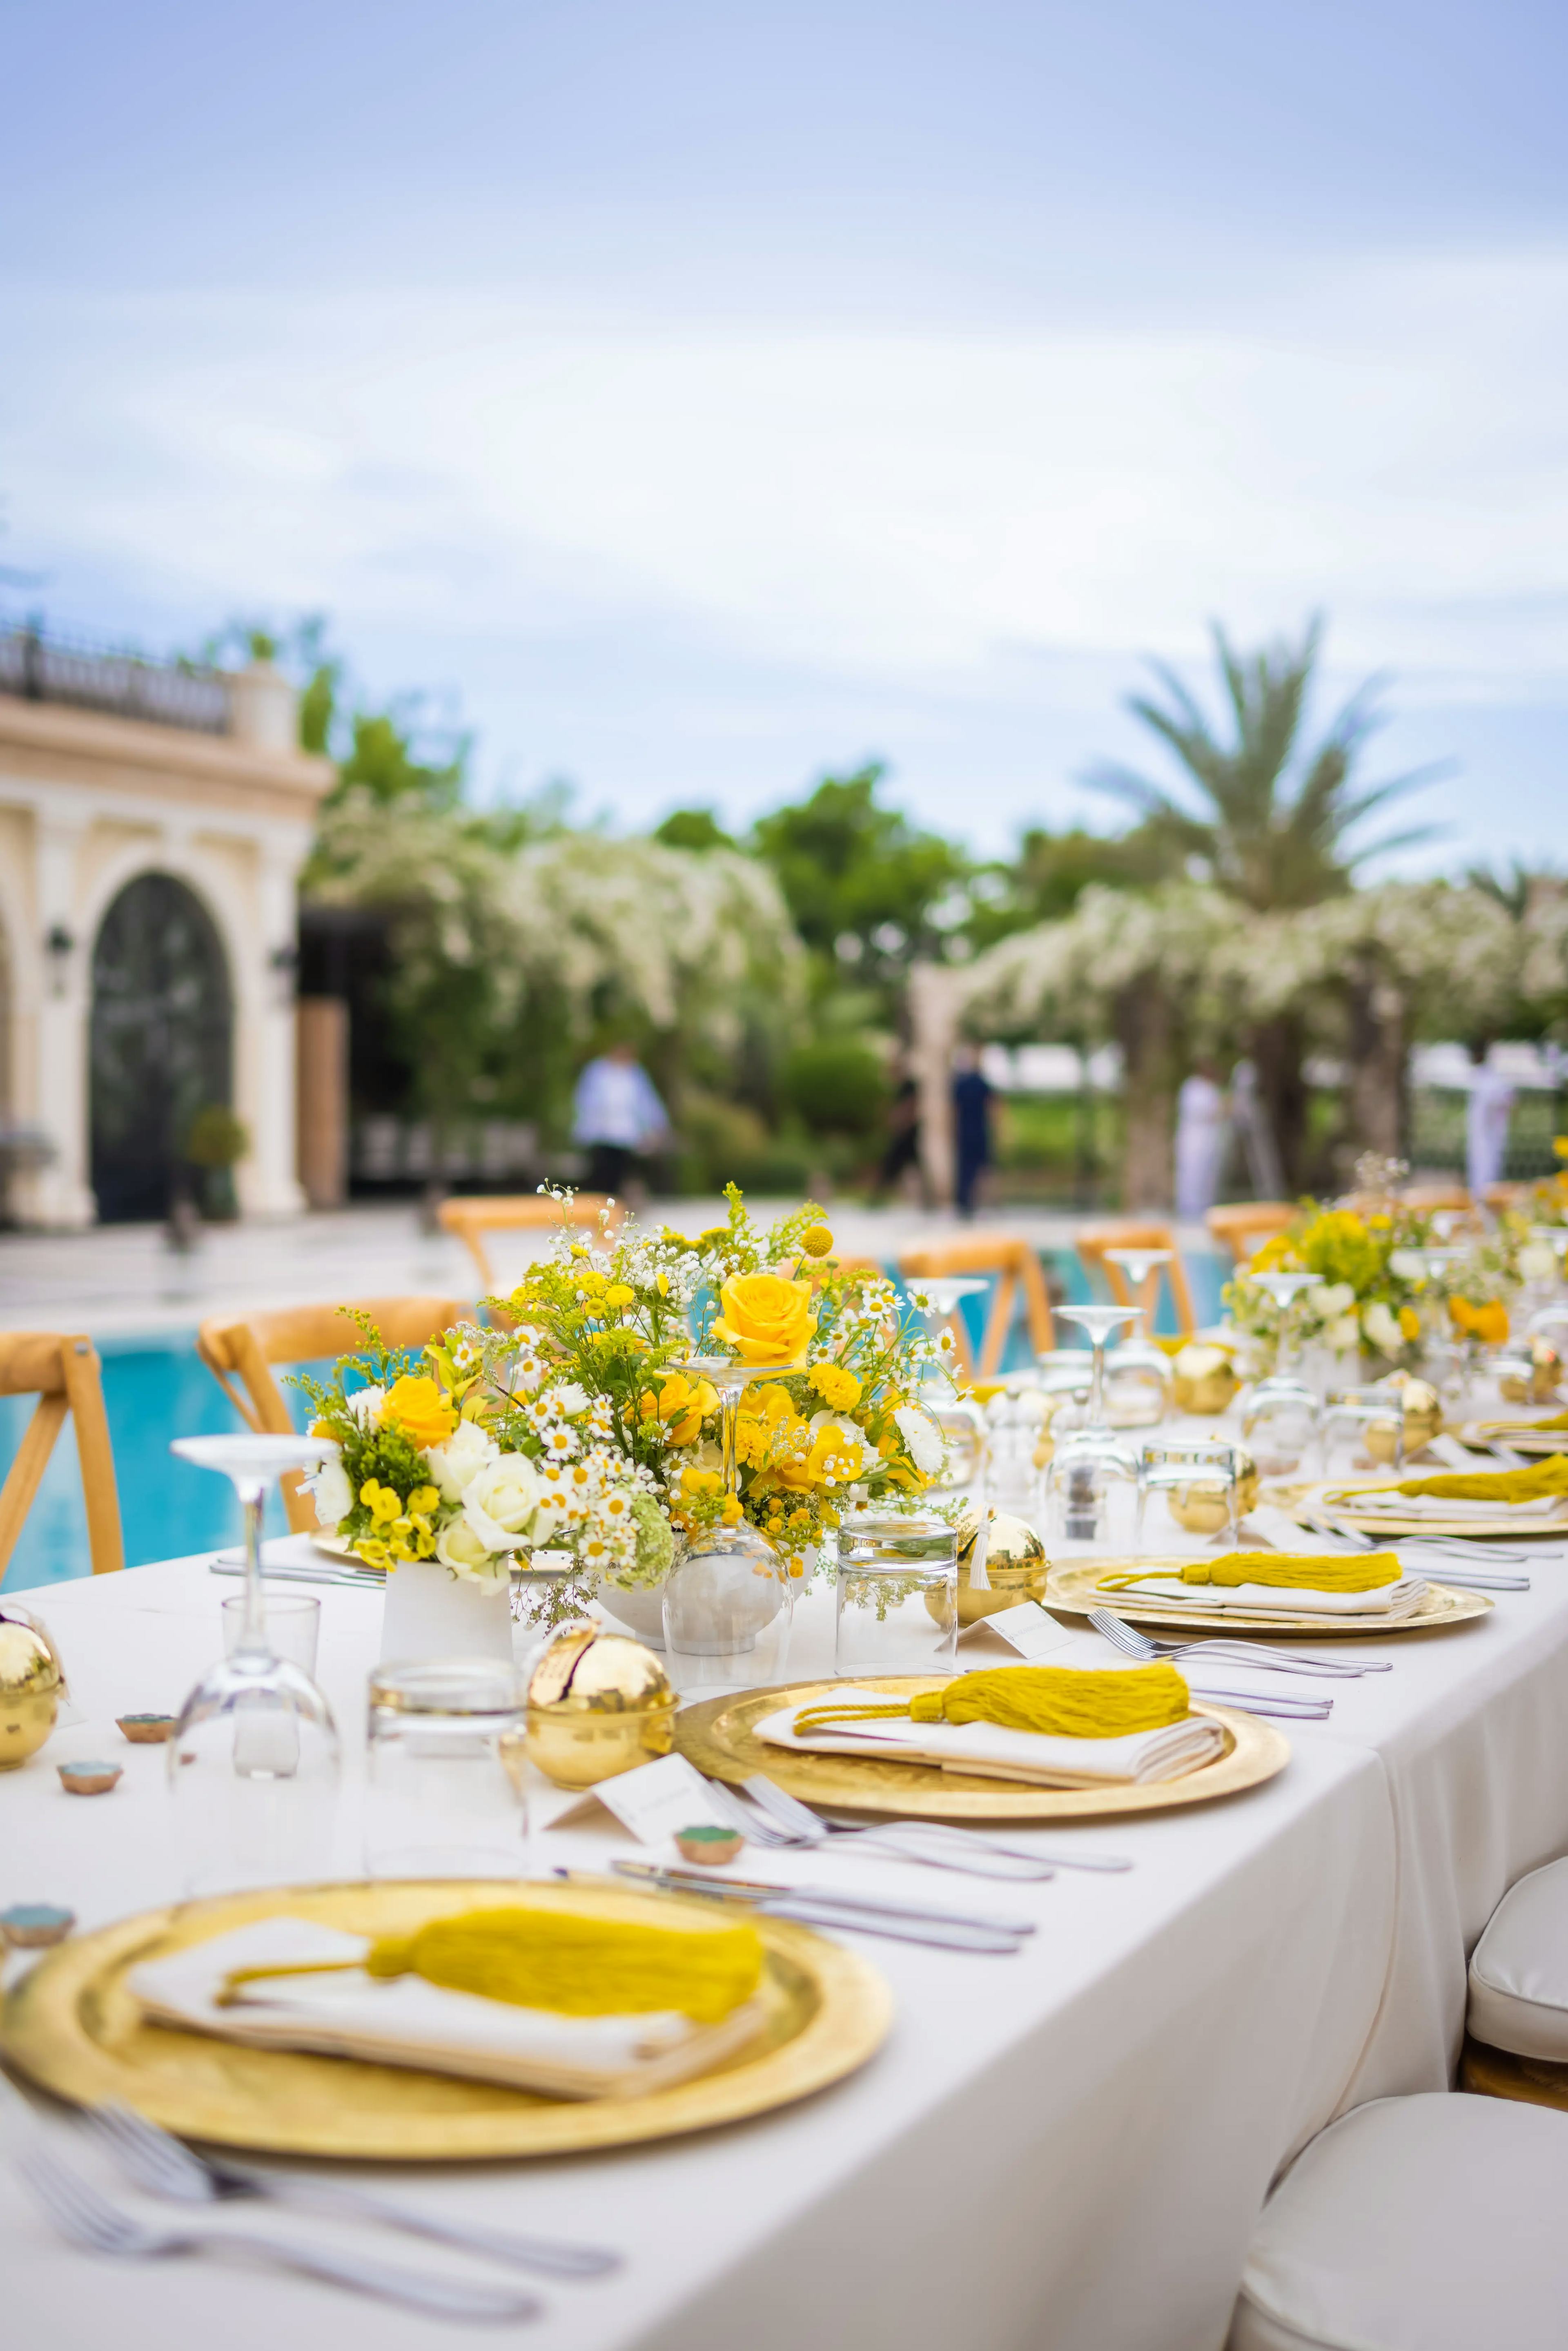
[(860, 880), (695, 828)]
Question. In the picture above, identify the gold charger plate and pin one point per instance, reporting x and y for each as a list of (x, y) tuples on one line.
[(1385, 1522), (1078, 1589), (1522, 1436), (720, 1738), (73, 2025)]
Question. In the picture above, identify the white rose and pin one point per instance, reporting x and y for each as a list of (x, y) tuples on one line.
[(332, 1494), (1382, 1328), (569, 1397), (1341, 1336), (1335, 1298), (501, 1500), (458, 1548), (454, 1464), (924, 1439), (365, 1403)]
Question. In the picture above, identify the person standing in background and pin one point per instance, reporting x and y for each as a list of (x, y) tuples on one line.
[(1487, 1115), (1202, 1132), (972, 1097), (617, 1116)]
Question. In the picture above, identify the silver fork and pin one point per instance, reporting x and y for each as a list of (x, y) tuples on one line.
[(1352, 1539), (1133, 1644), (1245, 1653), (772, 1818), (164, 2166), (84, 2214)]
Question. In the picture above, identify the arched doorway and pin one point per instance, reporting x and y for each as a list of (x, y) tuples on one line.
[(162, 1026)]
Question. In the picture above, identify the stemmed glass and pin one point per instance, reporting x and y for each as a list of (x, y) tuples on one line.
[(728, 1598), (1280, 1418), (1088, 1466), (962, 1422), (1140, 1373), (253, 1762)]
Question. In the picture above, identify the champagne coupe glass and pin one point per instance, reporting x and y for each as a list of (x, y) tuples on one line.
[(253, 1762), (729, 1596), (961, 1421), (1089, 1467), (1280, 1418), (1138, 1372)]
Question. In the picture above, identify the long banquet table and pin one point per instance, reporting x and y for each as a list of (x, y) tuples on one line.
[(1063, 2151)]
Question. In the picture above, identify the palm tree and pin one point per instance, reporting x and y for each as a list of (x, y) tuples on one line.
[(1265, 819), (1271, 826)]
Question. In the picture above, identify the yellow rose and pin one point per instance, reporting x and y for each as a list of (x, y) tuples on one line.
[(417, 1406), (766, 1320)]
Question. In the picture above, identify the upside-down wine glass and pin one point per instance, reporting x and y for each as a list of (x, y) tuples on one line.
[(1092, 1466), (1280, 1418), (1138, 1372), (729, 1596), (253, 1762)]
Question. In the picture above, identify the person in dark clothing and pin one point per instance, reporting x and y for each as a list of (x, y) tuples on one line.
[(903, 1138), (972, 1097)]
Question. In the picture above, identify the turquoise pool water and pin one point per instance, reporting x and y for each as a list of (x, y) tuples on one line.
[(156, 1388)]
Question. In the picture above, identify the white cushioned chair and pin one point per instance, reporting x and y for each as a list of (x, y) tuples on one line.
[(1432, 2223), (1518, 2015)]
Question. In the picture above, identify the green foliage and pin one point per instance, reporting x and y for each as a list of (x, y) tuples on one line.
[(696, 827), (837, 1085), (1271, 823), (853, 870)]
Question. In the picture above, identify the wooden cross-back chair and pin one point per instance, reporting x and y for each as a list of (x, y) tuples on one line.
[(62, 1370), (246, 1351), (1245, 1225), (1016, 1270), (1426, 1197), (1095, 1240), (471, 1216)]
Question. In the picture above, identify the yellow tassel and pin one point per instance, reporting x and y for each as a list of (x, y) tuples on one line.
[(1053, 1699), (1365, 1571), (568, 1962), (1496, 1485)]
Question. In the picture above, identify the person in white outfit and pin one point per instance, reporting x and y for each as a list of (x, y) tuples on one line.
[(1201, 1135), (617, 1115), (1487, 1114)]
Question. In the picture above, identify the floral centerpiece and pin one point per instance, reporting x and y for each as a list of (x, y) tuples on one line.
[(571, 1442), (1372, 1290)]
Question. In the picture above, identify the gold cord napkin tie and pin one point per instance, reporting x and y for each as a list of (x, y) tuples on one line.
[(563, 1960), (1057, 1700), (1365, 1570), (1533, 1485)]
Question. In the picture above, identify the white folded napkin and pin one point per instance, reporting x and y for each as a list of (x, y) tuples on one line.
[(404, 2021), (993, 1753), (1267, 1523), (1390, 1600), (1386, 1501)]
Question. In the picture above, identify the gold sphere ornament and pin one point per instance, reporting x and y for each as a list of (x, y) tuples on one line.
[(1015, 1568), (1202, 1506), (32, 1684), (1247, 1481), (599, 1703), (1203, 1378), (1422, 1408), (1542, 1384)]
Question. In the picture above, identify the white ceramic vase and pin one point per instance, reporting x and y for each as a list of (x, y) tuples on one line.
[(430, 1613), (639, 1607)]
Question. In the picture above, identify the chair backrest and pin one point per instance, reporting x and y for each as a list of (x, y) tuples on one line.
[(62, 1370), (1424, 1197), (1500, 1197), (1016, 1269), (246, 1351), (471, 1216), (1245, 1225), (1095, 1240)]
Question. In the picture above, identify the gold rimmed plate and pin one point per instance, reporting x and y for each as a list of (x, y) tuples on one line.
[(1081, 1586), (1339, 1502), (720, 1738), (1520, 1436), (75, 2027)]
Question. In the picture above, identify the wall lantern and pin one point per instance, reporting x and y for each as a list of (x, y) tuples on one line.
[(59, 946)]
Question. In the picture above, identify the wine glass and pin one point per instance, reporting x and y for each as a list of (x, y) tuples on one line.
[(960, 1420), (1090, 1464), (1138, 1372), (1280, 1418), (253, 1762), (728, 1598)]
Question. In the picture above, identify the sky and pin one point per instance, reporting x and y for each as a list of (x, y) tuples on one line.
[(697, 398)]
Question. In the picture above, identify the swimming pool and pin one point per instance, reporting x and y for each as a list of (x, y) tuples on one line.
[(155, 1388)]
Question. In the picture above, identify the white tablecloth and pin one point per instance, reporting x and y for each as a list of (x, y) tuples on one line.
[(1067, 2148)]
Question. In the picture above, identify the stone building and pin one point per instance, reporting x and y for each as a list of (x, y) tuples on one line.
[(153, 822)]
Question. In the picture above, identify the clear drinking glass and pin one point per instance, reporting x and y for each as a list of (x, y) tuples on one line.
[(897, 1603), (293, 1622), (1192, 1484), (1279, 1416), (1363, 1432), (444, 1792), (253, 1764), (729, 1596), (1091, 1478), (1016, 1420), (960, 1420), (1137, 1373)]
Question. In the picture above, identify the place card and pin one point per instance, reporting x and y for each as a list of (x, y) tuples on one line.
[(1028, 1629), (657, 1799)]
